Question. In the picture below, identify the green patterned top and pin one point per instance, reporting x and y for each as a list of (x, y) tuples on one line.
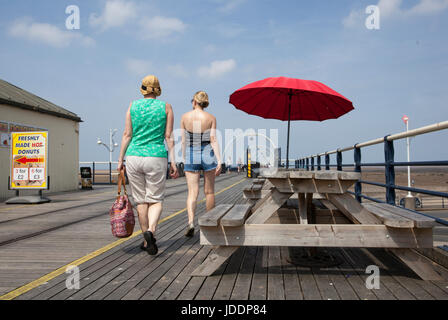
[(148, 118)]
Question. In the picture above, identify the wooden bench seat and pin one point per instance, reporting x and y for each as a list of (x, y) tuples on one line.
[(212, 218), (259, 181), (397, 217), (252, 188), (388, 218), (254, 192), (420, 221), (236, 216)]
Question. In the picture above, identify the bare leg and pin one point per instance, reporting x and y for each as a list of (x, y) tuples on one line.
[(193, 191), (153, 215), (142, 210), (209, 189)]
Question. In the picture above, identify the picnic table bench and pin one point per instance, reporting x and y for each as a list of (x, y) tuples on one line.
[(267, 220)]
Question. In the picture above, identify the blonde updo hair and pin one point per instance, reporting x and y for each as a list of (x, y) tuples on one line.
[(201, 98), (151, 85)]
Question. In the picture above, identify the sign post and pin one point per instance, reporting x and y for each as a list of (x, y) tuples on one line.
[(406, 122), (409, 200), (249, 164), (29, 155)]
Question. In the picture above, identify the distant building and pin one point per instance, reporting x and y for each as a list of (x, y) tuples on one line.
[(23, 111)]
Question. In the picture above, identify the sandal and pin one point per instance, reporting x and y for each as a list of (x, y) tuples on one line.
[(190, 232), (151, 243)]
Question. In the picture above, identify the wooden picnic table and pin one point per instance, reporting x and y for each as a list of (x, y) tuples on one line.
[(264, 220)]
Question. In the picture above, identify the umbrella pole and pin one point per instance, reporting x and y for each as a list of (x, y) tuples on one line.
[(289, 128)]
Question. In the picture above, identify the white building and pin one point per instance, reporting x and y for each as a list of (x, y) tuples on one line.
[(24, 111)]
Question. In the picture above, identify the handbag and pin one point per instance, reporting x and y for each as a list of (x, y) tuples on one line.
[(121, 214)]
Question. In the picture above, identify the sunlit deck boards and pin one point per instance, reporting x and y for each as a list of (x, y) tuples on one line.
[(125, 272), (251, 273), (36, 240)]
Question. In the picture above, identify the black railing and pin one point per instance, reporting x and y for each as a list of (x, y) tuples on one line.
[(389, 165), (105, 173)]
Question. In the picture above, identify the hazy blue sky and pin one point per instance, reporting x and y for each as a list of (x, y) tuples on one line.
[(219, 46)]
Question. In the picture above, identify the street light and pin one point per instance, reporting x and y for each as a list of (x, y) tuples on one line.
[(112, 144), (406, 122)]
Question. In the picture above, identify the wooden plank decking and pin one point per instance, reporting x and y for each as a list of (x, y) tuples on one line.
[(252, 273)]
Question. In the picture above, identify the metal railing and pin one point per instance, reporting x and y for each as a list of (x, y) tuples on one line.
[(106, 171), (389, 164), (290, 162), (109, 171)]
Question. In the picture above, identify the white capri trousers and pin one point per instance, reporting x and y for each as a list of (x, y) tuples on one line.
[(147, 178)]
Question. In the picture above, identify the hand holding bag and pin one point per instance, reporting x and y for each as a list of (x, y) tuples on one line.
[(121, 214)]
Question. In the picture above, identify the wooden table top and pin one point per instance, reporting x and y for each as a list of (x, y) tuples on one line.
[(317, 175)]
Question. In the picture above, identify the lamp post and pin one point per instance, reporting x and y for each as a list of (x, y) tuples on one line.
[(112, 144), (406, 122)]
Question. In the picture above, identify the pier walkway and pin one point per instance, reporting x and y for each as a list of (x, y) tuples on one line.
[(37, 243)]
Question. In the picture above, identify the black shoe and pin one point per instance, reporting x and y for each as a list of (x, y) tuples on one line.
[(142, 246), (151, 243), (190, 232)]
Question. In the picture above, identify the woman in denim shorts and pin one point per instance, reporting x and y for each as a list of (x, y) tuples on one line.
[(200, 151)]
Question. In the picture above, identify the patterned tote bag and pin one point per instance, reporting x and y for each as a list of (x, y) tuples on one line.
[(121, 214)]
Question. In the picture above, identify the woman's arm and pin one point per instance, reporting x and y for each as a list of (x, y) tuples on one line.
[(126, 139), (170, 139), (215, 147)]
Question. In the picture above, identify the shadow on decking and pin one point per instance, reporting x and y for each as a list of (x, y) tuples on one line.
[(354, 263)]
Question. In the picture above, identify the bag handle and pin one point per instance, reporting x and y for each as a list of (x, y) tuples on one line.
[(122, 181)]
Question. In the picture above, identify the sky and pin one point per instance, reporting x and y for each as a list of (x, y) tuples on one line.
[(219, 46)]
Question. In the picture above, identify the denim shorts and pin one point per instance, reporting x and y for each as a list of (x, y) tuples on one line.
[(200, 158)]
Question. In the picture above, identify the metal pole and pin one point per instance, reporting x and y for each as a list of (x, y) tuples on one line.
[(110, 172), (110, 145), (389, 171), (289, 128), (358, 186), (339, 160), (409, 159)]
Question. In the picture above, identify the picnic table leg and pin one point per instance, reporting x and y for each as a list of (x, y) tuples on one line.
[(312, 220), (310, 256), (267, 206), (264, 209), (418, 263), (303, 209), (421, 265), (309, 208), (214, 261)]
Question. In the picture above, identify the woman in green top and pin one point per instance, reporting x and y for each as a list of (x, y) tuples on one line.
[(149, 123)]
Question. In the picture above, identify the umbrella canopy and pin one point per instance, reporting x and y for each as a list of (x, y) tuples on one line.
[(289, 99)]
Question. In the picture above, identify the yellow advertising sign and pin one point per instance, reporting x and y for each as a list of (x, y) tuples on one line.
[(29, 152)]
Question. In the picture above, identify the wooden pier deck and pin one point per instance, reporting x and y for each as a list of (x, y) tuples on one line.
[(36, 246)]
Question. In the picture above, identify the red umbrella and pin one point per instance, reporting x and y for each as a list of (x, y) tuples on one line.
[(290, 99)]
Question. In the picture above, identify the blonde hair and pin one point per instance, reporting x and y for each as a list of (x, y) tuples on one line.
[(151, 85), (201, 98)]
